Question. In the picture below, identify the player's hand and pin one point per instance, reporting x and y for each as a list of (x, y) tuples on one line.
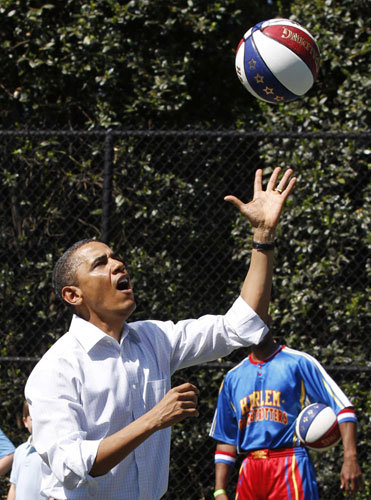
[(265, 209), (179, 403), (351, 477)]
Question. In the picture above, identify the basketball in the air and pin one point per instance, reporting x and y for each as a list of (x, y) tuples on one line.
[(317, 427), (277, 60)]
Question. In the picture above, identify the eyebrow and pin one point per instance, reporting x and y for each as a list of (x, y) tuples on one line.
[(104, 257), (98, 260)]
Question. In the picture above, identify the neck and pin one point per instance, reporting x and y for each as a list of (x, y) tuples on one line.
[(265, 349), (112, 329), (112, 326)]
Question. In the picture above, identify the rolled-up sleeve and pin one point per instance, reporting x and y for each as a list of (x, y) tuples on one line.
[(71, 458), (58, 423), (210, 337), (245, 324)]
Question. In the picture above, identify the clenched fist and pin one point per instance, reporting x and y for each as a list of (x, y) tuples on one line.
[(178, 404)]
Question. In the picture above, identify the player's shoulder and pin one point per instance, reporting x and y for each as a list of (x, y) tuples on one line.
[(297, 356), (237, 369)]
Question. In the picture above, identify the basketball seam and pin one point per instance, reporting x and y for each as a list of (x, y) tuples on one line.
[(263, 61)]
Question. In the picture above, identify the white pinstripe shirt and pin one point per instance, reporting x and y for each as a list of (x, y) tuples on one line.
[(89, 386)]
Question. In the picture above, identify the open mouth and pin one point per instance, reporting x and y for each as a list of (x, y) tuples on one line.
[(123, 283)]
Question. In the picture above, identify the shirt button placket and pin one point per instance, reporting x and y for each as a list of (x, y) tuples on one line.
[(137, 411)]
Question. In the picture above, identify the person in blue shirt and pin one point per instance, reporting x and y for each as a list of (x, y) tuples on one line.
[(25, 477), (258, 403), (6, 453)]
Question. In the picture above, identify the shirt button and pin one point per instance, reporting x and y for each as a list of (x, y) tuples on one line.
[(134, 386)]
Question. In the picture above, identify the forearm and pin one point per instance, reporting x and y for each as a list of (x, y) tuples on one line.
[(222, 473), (351, 474), (223, 470), (113, 449), (179, 403), (11, 492), (256, 289), (6, 464), (348, 431), (263, 212)]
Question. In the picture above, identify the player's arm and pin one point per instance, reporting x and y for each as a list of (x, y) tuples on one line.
[(225, 457), (351, 474), (11, 492), (179, 403), (6, 464), (263, 212)]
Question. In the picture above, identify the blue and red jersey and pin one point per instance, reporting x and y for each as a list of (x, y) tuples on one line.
[(259, 401)]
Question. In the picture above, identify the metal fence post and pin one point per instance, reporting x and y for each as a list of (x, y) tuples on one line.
[(107, 186)]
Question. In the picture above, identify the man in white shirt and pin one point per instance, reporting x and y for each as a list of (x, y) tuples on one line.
[(100, 398)]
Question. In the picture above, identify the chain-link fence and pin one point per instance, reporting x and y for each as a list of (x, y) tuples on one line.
[(157, 197)]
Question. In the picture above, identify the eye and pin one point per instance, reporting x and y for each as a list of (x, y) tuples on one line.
[(100, 262)]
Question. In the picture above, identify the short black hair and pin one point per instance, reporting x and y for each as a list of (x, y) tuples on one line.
[(64, 272)]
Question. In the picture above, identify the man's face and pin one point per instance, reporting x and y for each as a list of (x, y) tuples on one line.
[(104, 283)]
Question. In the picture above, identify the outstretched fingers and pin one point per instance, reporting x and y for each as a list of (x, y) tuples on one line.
[(284, 183), (273, 178), (265, 209), (287, 190), (236, 201), (258, 181)]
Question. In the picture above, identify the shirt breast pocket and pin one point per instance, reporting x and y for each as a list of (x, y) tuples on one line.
[(155, 390)]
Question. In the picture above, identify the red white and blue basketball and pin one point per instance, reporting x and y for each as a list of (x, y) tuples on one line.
[(317, 427), (277, 60)]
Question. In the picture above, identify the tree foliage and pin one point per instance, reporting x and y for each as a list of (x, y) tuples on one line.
[(106, 63), (140, 64)]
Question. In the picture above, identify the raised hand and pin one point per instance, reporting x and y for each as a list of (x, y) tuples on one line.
[(265, 209)]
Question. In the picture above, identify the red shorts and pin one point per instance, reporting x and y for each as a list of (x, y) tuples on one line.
[(281, 474)]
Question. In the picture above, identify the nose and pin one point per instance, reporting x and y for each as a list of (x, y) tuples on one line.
[(117, 266)]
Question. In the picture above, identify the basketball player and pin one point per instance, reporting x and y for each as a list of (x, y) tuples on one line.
[(100, 399), (257, 406)]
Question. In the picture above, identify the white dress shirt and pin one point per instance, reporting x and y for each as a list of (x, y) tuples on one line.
[(89, 386)]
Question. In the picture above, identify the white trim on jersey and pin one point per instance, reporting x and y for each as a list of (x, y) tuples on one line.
[(332, 388), (346, 416), (213, 424)]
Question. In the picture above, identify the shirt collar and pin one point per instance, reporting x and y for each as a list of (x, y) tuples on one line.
[(89, 335), (30, 448), (262, 361)]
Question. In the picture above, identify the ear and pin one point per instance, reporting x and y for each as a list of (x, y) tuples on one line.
[(72, 295)]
